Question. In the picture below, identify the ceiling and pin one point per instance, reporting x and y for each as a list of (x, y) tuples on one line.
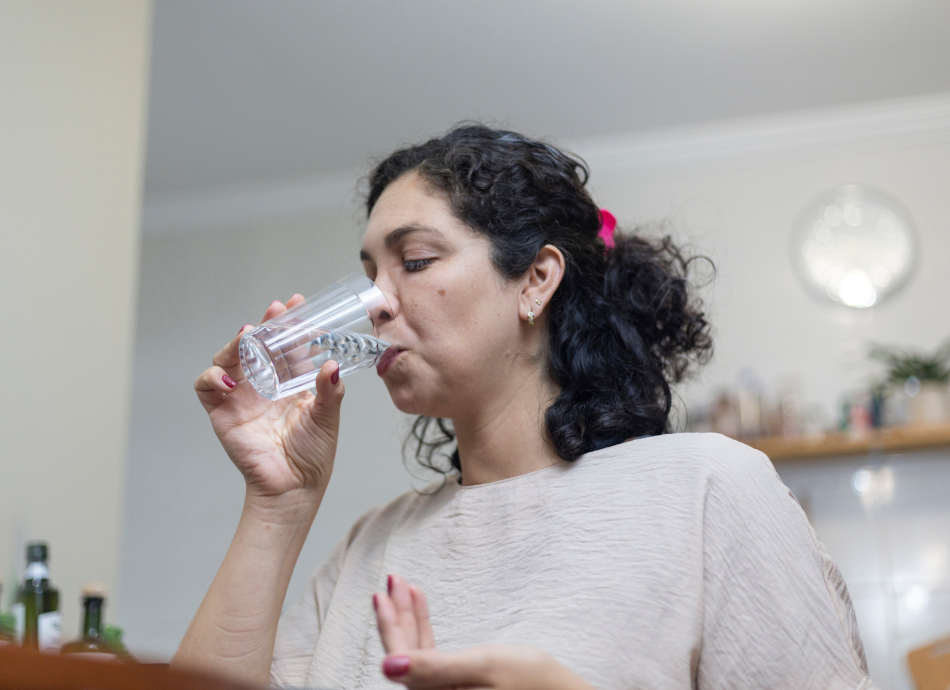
[(244, 91)]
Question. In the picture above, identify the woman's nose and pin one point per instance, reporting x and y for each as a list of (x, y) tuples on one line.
[(388, 310)]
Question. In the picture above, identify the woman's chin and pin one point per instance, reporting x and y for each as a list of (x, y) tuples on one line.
[(417, 392), (405, 398)]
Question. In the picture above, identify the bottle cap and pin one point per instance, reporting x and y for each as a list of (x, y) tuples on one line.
[(36, 551), (93, 590)]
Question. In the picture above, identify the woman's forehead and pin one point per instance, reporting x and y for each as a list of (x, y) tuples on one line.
[(404, 198), (409, 207)]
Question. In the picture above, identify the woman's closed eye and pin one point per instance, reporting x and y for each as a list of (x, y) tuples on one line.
[(414, 265)]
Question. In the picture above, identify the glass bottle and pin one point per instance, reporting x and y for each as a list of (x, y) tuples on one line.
[(92, 642), (38, 619), (7, 624)]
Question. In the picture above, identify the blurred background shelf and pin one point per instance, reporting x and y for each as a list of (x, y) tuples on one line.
[(781, 449)]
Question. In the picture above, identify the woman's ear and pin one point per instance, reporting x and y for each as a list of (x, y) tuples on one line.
[(542, 279)]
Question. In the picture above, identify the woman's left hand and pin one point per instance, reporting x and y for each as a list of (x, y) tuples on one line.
[(413, 660)]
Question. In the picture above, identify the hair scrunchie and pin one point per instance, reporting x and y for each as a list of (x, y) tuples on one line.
[(608, 223)]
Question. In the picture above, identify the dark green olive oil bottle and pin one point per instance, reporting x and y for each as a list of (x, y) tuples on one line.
[(38, 619), (7, 624), (92, 642)]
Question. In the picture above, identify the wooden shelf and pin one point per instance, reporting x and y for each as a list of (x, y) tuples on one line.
[(908, 438)]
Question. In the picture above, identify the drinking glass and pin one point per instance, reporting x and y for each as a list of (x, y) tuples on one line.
[(282, 356)]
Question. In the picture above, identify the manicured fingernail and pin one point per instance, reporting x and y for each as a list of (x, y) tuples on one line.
[(389, 584), (335, 376), (375, 603), (396, 665), (247, 325), (228, 381)]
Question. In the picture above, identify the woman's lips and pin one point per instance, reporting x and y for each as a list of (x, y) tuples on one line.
[(382, 366)]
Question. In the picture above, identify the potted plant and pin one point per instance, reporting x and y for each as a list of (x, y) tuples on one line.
[(923, 378)]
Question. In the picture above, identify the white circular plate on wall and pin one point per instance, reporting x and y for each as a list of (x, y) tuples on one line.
[(854, 245)]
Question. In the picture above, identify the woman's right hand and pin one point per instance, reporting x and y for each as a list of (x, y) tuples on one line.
[(279, 446)]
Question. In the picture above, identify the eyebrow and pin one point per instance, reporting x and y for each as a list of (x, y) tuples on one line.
[(397, 235)]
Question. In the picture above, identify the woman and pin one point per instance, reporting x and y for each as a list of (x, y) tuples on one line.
[(575, 545)]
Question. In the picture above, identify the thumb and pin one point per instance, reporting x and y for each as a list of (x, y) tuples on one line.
[(325, 408), (429, 668)]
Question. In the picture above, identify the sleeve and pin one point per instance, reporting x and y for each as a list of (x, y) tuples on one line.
[(776, 611), (299, 626)]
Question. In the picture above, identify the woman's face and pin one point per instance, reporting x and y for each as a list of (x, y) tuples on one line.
[(457, 326)]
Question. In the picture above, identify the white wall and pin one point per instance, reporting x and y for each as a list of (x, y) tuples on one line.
[(200, 286), (741, 216), (73, 85)]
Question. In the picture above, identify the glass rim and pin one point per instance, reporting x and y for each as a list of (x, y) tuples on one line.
[(370, 296)]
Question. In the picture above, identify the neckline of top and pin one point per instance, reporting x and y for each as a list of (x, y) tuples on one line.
[(563, 464)]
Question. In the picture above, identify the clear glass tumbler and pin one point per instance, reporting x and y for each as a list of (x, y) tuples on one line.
[(282, 356)]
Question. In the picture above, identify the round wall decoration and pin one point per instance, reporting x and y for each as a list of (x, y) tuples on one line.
[(854, 245)]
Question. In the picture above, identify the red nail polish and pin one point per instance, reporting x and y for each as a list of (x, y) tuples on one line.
[(247, 325), (396, 665), (375, 603), (335, 376), (389, 584), (228, 381)]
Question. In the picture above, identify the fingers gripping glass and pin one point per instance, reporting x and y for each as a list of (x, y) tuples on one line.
[(282, 356)]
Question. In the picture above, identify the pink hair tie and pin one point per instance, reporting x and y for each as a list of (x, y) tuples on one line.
[(607, 225)]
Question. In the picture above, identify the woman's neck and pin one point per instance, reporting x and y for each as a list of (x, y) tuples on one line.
[(507, 438)]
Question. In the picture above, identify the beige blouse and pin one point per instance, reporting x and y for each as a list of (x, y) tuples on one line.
[(674, 561)]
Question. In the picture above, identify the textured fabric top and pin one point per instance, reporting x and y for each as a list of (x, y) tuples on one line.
[(675, 561)]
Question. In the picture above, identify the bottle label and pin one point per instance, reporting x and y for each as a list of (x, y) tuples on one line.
[(49, 631), (36, 571), (19, 616)]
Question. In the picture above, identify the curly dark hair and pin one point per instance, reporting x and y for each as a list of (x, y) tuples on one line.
[(624, 322)]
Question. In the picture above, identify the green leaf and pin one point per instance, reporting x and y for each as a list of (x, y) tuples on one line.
[(902, 364), (113, 635)]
